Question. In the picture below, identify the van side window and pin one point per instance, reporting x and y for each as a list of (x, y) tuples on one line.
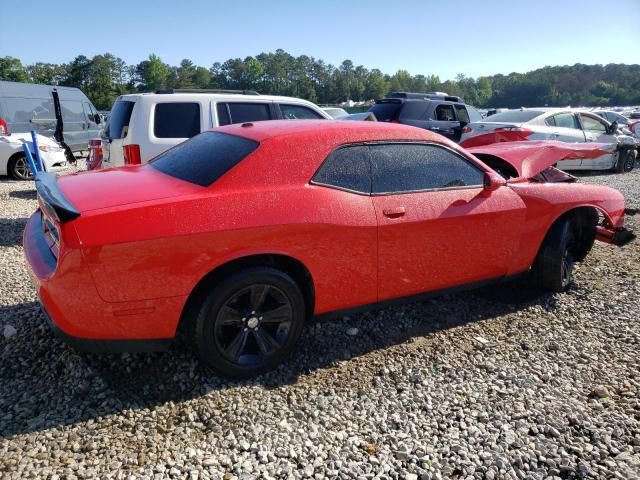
[(245, 112), (72, 111), (176, 120)]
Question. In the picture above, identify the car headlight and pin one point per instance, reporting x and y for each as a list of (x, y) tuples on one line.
[(43, 148)]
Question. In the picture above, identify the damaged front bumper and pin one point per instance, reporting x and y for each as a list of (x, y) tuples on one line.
[(616, 236)]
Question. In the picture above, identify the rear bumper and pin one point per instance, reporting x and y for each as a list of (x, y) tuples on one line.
[(616, 236), (107, 346), (75, 311)]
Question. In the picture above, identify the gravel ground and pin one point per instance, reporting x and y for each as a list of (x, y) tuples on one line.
[(497, 383)]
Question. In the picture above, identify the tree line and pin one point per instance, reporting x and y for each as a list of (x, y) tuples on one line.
[(106, 76)]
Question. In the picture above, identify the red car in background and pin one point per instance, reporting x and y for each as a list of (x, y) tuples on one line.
[(242, 233)]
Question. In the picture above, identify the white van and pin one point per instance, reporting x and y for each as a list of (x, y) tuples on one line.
[(27, 106), (143, 125)]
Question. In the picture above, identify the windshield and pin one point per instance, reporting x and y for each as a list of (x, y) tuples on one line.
[(119, 119), (515, 116), (204, 158)]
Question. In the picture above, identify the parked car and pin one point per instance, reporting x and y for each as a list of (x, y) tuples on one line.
[(239, 235), (441, 114), (27, 106), (493, 111), (612, 116), (335, 112), (635, 115), (13, 161), (565, 125), (144, 125)]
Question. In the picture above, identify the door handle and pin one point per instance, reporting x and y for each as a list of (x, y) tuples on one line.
[(393, 212)]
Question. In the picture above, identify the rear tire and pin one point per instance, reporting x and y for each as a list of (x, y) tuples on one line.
[(249, 322), (18, 167), (553, 267), (626, 161)]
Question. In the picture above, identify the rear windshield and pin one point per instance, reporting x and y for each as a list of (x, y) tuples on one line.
[(119, 119), (515, 116), (204, 158), (387, 111)]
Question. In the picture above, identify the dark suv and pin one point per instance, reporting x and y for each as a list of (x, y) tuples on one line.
[(443, 114)]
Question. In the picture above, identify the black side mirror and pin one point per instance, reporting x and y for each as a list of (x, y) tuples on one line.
[(97, 118), (613, 128)]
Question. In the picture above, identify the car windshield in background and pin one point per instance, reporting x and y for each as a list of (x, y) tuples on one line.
[(119, 119), (515, 116), (385, 111), (204, 158)]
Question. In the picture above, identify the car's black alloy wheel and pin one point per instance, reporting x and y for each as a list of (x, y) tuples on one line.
[(249, 322)]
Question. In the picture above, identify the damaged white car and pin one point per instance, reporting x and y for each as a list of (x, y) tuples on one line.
[(564, 125)]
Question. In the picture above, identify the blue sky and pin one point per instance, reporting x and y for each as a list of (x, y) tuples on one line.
[(474, 37)]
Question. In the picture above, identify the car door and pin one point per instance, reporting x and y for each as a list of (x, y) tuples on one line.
[(564, 127), (437, 227), (444, 121), (76, 133), (596, 130)]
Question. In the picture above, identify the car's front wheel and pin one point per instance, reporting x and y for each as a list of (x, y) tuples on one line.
[(553, 267), (249, 322), (18, 167)]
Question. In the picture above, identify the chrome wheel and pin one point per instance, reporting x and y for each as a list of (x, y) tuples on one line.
[(20, 169)]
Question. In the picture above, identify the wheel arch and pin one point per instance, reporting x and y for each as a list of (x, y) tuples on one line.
[(288, 264)]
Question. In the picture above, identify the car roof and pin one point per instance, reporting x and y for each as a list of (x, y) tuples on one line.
[(217, 96), (348, 131)]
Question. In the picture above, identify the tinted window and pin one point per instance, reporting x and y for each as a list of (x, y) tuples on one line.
[(516, 116), (414, 110), (346, 168), (386, 111), (551, 121), (176, 120), (592, 125), (223, 114), (444, 113), (119, 119), (249, 112), (293, 112), (205, 158), (411, 167), (566, 120), (463, 116)]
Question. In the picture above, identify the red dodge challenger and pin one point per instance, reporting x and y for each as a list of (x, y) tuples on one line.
[(240, 234)]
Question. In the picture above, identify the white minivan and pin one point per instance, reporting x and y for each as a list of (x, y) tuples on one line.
[(143, 125)]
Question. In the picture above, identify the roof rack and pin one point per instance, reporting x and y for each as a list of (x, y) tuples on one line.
[(205, 90), (425, 96)]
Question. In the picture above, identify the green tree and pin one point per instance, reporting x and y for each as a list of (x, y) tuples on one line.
[(11, 69)]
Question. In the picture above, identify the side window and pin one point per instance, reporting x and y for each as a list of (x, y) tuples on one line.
[(474, 115), (89, 112), (463, 116), (24, 110), (248, 112), (347, 168), (176, 120), (292, 112), (566, 120), (444, 113), (223, 114), (551, 121), (72, 111), (592, 125), (412, 167)]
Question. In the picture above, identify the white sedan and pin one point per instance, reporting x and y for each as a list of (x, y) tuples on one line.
[(13, 161), (565, 125)]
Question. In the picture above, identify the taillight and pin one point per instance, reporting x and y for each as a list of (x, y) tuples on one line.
[(132, 154), (4, 130), (94, 160), (395, 121), (467, 129)]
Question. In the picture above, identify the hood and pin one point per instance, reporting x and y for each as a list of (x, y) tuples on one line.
[(112, 187), (532, 157), (25, 137)]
